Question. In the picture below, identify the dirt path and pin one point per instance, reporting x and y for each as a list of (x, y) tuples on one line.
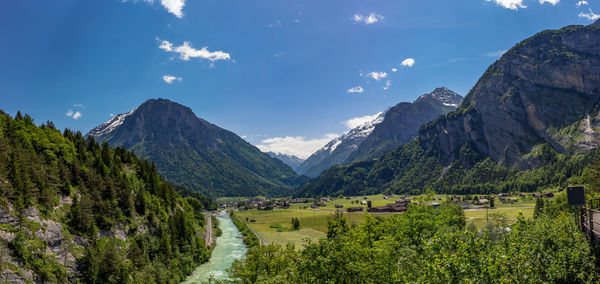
[(262, 240), (208, 236)]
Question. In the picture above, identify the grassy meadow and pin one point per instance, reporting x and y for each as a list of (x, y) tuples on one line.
[(313, 223)]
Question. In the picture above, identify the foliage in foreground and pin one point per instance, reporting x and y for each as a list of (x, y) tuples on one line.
[(427, 245)]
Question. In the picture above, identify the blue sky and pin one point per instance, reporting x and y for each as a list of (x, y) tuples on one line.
[(286, 75)]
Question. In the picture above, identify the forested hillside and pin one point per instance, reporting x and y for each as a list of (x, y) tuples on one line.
[(73, 210), (194, 153)]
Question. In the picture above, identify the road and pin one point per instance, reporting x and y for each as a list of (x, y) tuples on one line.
[(208, 236), (262, 240)]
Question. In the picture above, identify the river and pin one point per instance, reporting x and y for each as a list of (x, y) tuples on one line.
[(230, 246)]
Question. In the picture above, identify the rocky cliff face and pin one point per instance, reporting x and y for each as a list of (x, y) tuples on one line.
[(540, 91)]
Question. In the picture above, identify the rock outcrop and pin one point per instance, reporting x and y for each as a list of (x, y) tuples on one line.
[(543, 85)]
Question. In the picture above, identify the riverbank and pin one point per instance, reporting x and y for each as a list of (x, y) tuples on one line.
[(228, 248)]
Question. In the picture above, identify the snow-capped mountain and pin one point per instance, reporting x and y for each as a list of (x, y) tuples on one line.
[(389, 130), (339, 149), (289, 160)]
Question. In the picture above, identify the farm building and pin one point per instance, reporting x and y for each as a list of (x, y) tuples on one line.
[(392, 207), (354, 209)]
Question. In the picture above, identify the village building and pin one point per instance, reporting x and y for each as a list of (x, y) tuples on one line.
[(355, 209)]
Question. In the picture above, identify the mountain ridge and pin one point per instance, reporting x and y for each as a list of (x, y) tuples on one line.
[(391, 128), (192, 152), (531, 121)]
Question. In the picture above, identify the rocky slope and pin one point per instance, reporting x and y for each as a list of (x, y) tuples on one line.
[(392, 128), (289, 160), (531, 121), (402, 122), (339, 149), (528, 97), (192, 152)]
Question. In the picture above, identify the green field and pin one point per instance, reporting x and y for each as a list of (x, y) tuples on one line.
[(314, 223)]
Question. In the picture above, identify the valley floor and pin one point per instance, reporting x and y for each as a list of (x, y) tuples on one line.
[(274, 226)]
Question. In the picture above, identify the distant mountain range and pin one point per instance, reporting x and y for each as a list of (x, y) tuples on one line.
[(532, 120), (390, 129), (194, 153), (289, 160)]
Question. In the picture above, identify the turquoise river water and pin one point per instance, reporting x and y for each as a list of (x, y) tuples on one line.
[(230, 246)]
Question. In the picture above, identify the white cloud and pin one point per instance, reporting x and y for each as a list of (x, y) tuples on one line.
[(552, 2), (357, 89), (377, 75), (581, 3), (408, 62), (511, 4), (590, 16), (368, 19), (361, 120), (394, 69), (174, 7), (186, 51), (387, 86), (496, 53), (299, 146), (75, 115), (79, 105), (112, 114), (169, 79)]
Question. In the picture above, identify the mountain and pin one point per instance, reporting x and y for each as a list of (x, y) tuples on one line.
[(194, 153), (339, 149), (289, 160), (401, 123), (531, 121), (75, 211), (392, 128)]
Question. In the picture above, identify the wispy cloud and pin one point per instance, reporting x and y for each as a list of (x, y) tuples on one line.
[(408, 62), (496, 53), (299, 146), (581, 3), (361, 120), (509, 4), (456, 59), (357, 89), (367, 19), (552, 2), (276, 24), (79, 105), (186, 51), (387, 86), (377, 75), (169, 79), (590, 15)]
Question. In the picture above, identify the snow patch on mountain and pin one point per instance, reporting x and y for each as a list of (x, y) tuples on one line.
[(111, 124)]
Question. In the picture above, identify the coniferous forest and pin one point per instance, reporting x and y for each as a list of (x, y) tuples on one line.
[(74, 210)]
